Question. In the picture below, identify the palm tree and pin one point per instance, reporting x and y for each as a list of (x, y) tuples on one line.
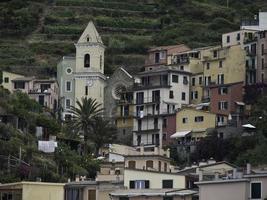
[(103, 133), (83, 116)]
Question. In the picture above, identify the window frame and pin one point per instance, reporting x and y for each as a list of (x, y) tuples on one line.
[(6, 80), (66, 103), (66, 86)]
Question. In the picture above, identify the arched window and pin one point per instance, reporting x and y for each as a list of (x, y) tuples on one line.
[(149, 164), (86, 60)]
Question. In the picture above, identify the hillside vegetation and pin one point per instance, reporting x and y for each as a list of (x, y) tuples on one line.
[(36, 34)]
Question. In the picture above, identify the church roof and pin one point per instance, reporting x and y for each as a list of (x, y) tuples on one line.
[(90, 34)]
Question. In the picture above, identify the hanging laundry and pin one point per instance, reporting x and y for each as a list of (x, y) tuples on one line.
[(47, 146)]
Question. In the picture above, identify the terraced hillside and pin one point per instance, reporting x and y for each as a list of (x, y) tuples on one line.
[(36, 34)]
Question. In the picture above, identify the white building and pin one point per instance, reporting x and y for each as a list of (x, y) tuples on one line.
[(160, 92)]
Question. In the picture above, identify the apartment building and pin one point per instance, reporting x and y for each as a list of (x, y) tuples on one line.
[(163, 55), (44, 91), (82, 75), (191, 125), (262, 57), (157, 95)]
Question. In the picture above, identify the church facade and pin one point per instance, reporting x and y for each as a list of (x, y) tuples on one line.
[(82, 75)]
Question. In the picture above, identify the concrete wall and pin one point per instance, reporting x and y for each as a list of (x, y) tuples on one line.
[(209, 120), (233, 191), (42, 191)]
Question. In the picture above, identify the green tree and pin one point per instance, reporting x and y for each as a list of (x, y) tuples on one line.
[(83, 117), (103, 133)]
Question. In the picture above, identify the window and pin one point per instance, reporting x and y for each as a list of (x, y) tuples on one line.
[(167, 198), (238, 36), (262, 63), (68, 70), (215, 54), (255, 192), (262, 49), (223, 90), (171, 94), (156, 123), (6, 79), (220, 63), (223, 105), (67, 104), (123, 131), (68, 86), (199, 119), (220, 79), (86, 90), (167, 183), (86, 60), (149, 164), (183, 96), (157, 57), (164, 124), (162, 55), (262, 77), (185, 80), (185, 120), (194, 95), (228, 39), (139, 97), (182, 67), (131, 164), (139, 184), (208, 66), (200, 80), (175, 78), (193, 81), (19, 85), (91, 194), (100, 62)]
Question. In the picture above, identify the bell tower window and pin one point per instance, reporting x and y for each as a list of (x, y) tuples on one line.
[(87, 60)]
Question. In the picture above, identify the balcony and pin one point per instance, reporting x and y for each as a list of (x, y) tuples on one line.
[(251, 53), (149, 100), (181, 60), (146, 131), (125, 101), (39, 91), (250, 23), (137, 87)]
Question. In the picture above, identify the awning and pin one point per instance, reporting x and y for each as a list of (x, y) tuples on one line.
[(240, 103), (180, 134), (248, 126)]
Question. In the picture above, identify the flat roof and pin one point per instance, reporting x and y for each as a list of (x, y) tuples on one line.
[(153, 192), (31, 183), (222, 181)]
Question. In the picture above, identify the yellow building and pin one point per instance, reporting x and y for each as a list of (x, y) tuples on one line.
[(223, 65), (7, 78), (194, 123), (32, 191)]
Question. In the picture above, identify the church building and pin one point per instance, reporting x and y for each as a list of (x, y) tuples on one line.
[(82, 75)]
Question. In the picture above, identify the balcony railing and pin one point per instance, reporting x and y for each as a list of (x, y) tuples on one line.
[(39, 91), (125, 101), (181, 60), (249, 23), (148, 100), (145, 131), (251, 53)]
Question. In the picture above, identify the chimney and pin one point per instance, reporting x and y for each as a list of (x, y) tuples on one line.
[(248, 168), (77, 178), (200, 175), (216, 176), (211, 161), (142, 149), (68, 180), (156, 150), (234, 173)]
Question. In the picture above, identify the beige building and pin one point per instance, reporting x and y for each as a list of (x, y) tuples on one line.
[(32, 191), (251, 186), (44, 91)]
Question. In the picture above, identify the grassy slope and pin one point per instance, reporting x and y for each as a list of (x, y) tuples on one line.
[(128, 28)]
